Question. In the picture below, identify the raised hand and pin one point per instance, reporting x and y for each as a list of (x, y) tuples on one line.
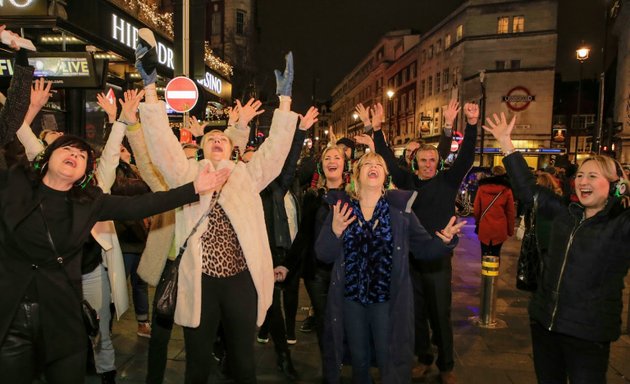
[(309, 118), (501, 129), (194, 127), (284, 81), (365, 140), (377, 116), (109, 108), (364, 114), (40, 93), (342, 217), (210, 181), (129, 111), (450, 113), (450, 230), (248, 111), (232, 115), (12, 35), (471, 111)]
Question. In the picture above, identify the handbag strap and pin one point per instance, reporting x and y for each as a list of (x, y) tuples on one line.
[(213, 202), (59, 258), (489, 205), (532, 217)]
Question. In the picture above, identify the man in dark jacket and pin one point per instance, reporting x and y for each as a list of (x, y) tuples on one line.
[(434, 207)]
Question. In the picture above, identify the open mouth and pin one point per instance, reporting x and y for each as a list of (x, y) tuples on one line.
[(373, 174), (585, 192), (217, 148), (71, 162), (332, 168)]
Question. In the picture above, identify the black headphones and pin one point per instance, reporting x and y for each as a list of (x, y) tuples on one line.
[(41, 162), (415, 166)]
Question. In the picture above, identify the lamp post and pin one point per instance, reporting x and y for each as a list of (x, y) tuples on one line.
[(390, 95), (482, 79), (582, 55)]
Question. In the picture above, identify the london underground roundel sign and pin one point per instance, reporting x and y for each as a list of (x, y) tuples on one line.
[(181, 94)]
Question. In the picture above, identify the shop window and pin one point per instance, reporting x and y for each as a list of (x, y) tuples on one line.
[(459, 33), (240, 22), (518, 24), (503, 25)]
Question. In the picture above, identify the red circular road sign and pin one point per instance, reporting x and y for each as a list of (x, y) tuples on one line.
[(181, 94), (518, 98)]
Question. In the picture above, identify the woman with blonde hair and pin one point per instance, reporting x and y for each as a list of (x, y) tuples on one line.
[(368, 236), (576, 310), (546, 180)]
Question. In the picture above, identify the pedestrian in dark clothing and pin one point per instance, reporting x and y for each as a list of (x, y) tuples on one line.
[(576, 310)]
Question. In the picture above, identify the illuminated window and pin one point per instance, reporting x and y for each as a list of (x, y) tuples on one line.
[(518, 24), (447, 41), (503, 25), (459, 33)]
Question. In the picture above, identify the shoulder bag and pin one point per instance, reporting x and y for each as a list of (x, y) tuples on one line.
[(529, 263)]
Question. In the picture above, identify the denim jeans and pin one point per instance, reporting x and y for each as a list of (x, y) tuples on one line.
[(139, 288), (363, 323), (97, 291), (558, 357)]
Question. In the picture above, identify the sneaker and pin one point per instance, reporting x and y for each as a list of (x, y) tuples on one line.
[(144, 330), (308, 325), (292, 341), (262, 339)]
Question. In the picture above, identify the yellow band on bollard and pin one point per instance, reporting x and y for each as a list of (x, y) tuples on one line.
[(489, 264), (489, 273)]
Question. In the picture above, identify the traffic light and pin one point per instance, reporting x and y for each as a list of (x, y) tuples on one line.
[(611, 142)]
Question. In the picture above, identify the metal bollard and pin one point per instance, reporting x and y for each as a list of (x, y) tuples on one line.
[(487, 311)]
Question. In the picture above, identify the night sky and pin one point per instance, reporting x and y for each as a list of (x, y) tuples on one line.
[(330, 37)]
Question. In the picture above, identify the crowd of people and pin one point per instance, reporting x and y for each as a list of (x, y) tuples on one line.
[(372, 237)]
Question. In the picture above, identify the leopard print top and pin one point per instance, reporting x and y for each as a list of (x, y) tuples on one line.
[(222, 255)]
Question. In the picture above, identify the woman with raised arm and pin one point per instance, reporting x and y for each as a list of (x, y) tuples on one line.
[(576, 310), (368, 236), (226, 273)]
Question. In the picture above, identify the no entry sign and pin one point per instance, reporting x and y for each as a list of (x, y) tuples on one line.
[(181, 94)]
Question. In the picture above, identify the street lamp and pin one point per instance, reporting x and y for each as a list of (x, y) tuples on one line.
[(581, 54), (482, 79), (390, 95)]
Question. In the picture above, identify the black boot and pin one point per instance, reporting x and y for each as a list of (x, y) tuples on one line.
[(285, 365), (108, 377)]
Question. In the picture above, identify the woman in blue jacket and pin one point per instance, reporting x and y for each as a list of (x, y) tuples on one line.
[(368, 235), (576, 310)]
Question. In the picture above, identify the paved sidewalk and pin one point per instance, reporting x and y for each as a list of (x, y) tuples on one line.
[(483, 356)]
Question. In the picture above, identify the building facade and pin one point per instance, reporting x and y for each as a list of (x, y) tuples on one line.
[(500, 51), (621, 29)]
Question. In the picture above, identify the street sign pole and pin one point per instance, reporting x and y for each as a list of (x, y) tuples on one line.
[(186, 48)]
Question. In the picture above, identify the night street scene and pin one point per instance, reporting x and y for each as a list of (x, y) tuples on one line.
[(331, 191)]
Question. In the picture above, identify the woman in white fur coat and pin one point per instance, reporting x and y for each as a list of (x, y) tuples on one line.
[(226, 273)]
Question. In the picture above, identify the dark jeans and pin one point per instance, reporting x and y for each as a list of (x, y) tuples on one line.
[(558, 357), (233, 302), (274, 323), (317, 288), (432, 301), (491, 249), (362, 323), (158, 345), (22, 353), (290, 294), (139, 288)]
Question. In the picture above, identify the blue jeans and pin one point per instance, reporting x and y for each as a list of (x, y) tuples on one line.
[(139, 288), (558, 357), (360, 323)]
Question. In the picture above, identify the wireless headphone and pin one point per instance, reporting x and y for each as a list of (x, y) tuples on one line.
[(415, 166)]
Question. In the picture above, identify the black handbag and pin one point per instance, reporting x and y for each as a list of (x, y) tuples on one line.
[(529, 262), (166, 290), (90, 317)]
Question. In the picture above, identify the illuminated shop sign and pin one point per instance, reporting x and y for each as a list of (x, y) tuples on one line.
[(127, 34), (518, 98), (63, 69), (216, 85), (22, 7)]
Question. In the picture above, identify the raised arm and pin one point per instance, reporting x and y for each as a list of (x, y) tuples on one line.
[(444, 145), (148, 172), (466, 156), (290, 164)]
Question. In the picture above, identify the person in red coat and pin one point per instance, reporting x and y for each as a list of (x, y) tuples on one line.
[(494, 211)]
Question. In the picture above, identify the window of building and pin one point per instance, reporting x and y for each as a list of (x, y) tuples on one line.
[(447, 41), (405, 76), (437, 82), (240, 22), (446, 79), (430, 86), (403, 102), (414, 70), (422, 88), (515, 64), (438, 47), (412, 100), (503, 25), (459, 33), (216, 23), (424, 56), (431, 51), (499, 65), (518, 24)]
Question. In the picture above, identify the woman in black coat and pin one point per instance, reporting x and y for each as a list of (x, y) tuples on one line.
[(576, 310), (46, 214)]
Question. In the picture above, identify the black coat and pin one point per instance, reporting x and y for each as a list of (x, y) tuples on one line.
[(18, 96), (580, 292), (26, 255)]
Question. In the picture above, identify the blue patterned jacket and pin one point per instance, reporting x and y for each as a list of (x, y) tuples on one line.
[(409, 238)]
